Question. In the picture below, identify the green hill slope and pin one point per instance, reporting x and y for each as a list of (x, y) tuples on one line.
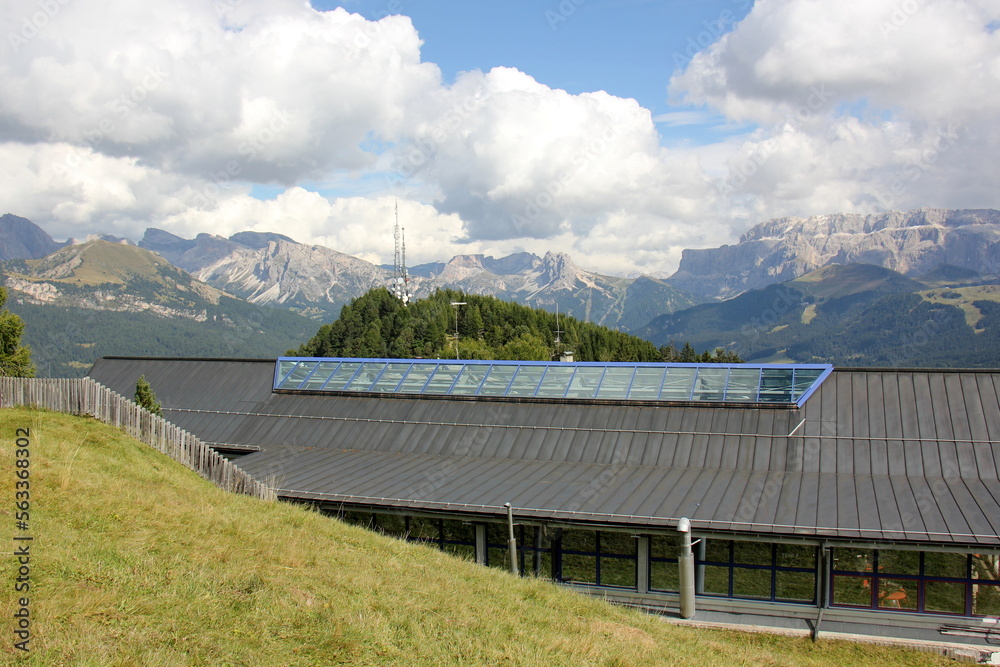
[(848, 315), (137, 561)]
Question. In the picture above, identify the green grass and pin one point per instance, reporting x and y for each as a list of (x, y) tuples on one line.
[(137, 561)]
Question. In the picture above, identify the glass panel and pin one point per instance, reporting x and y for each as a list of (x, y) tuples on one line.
[(677, 386), (556, 381), (752, 553), (716, 580), (618, 543), (496, 534), (616, 382), (580, 569), (897, 594), (898, 562), (743, 383), (943, 596), (986, 567), (618, 572), (579, 540), (717, 551), (422, 528), (749, 583), (585, 382), (458, 531), (646, 384), (776, 385), (661, 546), (795, 586), (804, 378), (526, 381), (792, 555), (441, 381), (986, 600), (390, 377), (284, 366), (297, 375), (497, 380), (366, 376), (342, 375), (664, 576), (417, 377), (470, 379), (853, 560), (391, 524), (710, 384), (938, 564), (497, 557), (855, 591), (322, 374)]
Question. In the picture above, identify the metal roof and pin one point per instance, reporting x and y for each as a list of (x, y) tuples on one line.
[(675, 382), (908, 455)]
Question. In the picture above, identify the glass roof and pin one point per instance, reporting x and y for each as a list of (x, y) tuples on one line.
[(699, 383)]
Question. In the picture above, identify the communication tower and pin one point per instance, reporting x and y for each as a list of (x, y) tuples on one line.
[(400, 279)]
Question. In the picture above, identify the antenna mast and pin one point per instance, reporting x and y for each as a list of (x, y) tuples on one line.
[(400, 279)]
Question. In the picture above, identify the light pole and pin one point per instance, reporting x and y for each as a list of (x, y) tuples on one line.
[(458, 356)]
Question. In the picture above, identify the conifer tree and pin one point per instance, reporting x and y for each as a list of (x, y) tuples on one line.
[(145, 397), (15, 359)]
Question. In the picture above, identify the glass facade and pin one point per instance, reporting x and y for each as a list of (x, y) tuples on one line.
[(716, 383), (759, 570), (961, 584), (921, 581)]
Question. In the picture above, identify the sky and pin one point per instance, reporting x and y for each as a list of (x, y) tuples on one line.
[(619, 132)]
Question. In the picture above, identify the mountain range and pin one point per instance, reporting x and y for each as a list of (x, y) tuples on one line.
[(786, 291)]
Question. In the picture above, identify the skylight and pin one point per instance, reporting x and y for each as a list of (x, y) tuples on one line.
[(789, 384)]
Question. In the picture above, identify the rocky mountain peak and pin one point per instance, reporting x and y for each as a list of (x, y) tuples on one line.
[(20, 238), (909, 242)]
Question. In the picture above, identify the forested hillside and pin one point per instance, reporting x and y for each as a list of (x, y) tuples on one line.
[(377, 324)]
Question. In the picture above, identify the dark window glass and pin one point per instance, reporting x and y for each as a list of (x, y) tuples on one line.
[(852, 590), (424, 529), (664, 576), (716, 580), (898, 562), (944, 597), (986, 600), (751, 583), (954, 566), (795, 586), (391, 524), (794, 555), (853, 560), (752, 553), (578, 568)]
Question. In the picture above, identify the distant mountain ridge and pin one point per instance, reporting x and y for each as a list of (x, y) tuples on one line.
[(782, 249), (272, 269), (98, 297), (851, 315)]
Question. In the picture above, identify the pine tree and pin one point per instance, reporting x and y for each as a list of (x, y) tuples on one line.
[(145, 397), (15, 359)]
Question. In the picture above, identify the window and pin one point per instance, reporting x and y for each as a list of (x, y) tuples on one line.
[(663, 572), (597, 557), (759, 570), (921, 581), (534, 549)]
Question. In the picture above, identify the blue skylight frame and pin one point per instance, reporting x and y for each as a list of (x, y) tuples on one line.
[(774, 384)]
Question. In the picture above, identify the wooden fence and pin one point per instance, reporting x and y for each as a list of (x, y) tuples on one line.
[(85, 396)]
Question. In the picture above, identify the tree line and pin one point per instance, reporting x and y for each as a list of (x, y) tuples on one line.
[(378, 325)]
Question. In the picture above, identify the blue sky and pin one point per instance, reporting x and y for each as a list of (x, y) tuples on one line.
[(629, 48), (620, 132)]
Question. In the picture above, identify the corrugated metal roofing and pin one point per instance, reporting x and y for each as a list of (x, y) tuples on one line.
[(874, 454)]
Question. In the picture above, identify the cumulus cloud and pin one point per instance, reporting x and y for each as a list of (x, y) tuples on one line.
[(859, 105), (118, 115)]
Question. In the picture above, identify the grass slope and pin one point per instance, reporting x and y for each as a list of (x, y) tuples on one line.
[(137, 561)]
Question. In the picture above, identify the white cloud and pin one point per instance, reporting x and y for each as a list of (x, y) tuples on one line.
[(118, 115), (860, 105)]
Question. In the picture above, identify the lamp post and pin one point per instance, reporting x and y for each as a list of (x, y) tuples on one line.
[(457, 304)]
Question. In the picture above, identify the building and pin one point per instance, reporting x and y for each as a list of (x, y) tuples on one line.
[(860, 500)]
